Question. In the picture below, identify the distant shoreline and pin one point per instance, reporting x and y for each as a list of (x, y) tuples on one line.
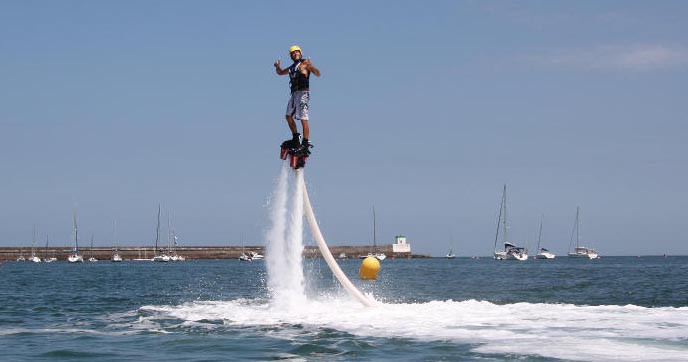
[(191, 252), (11, 253)]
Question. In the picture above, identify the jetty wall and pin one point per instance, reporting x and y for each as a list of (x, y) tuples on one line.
[(191, 252)]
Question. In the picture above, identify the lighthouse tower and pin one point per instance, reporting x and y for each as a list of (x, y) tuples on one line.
[(400, 245)]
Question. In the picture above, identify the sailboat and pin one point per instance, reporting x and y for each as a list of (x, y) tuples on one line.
[(451, 255), (92, 259), (115, 254), (256, 255), (580, 251), (33, 256), (175, 256), (244, 255), (249, 255), (21, 256), (48, 259), (115, 257), (172, 242), (542, 252), (162, 257), (74, 257), (377, 254), (510, 251)]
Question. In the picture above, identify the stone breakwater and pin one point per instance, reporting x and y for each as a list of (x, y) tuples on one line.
[(190, 252)]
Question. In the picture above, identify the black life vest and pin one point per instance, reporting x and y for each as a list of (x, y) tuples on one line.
[(297, 80)]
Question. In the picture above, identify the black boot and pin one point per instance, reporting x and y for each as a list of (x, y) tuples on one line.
[(292, 143), (305, 148)]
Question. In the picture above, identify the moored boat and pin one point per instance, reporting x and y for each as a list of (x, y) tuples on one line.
[(582, 252), (510, 251), (74, 256), (542, 252)]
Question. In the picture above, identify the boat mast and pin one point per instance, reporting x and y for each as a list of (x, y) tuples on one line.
[(173, 235), (499, 218), (114, 227), (540, 234), (157, 233), (506, 239), (76, 235), (574, 232), (169, 234), (577, 224), (374, 230)]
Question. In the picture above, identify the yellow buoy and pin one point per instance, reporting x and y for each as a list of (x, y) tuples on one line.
[(369, 268)]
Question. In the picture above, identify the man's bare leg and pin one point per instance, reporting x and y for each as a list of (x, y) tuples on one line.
[(292, 124), (306, 130)]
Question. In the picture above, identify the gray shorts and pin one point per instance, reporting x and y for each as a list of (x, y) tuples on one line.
[(298, 105)]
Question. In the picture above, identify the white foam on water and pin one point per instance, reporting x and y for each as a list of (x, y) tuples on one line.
[(285, 241), (564, 331), (569, 332)]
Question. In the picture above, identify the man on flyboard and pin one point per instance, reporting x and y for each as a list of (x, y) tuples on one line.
[(297, 108)]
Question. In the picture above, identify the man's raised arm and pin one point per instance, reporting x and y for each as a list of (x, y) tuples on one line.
[(279, 70), (311, 67)]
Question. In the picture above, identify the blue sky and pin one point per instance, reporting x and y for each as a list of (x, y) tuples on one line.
[(424, 110)]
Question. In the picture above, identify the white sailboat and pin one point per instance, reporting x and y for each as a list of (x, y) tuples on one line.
[(33, 257), (162, 257), (115, 254), (92, 258), (580, 251), (175, 256), (48, 259), (172, 242), (451, 254), (510, 251), (244, 255), (542, 252), (249, 255), (378, 254), (74, 257)]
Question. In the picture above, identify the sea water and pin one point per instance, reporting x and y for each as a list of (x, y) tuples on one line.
[(612, 309)]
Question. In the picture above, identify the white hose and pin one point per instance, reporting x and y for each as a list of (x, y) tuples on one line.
[(325, 251)]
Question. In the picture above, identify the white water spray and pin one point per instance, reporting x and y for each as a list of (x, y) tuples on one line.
[(285, 244), (285, 241)]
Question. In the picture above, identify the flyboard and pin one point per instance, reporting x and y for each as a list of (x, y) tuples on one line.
[(296, 162), (297, 155)]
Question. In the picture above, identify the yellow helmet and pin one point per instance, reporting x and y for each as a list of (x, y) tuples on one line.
[(294, 48)]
